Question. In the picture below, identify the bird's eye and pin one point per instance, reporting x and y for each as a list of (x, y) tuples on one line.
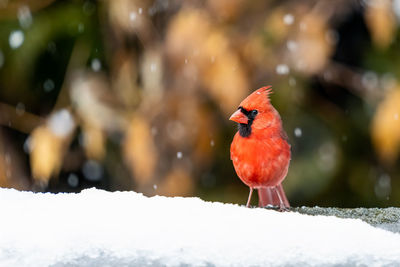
[(254, 112)]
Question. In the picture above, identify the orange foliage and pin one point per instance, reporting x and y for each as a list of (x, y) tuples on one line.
[(385, 128), (139, 150), (381, 22)]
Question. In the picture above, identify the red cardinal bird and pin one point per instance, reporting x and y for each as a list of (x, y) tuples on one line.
[(259, 151)]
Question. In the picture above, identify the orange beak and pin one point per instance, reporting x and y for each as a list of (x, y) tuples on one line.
[(239, 117)]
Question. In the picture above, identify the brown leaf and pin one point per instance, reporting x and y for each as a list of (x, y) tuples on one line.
[(185, 35), (48, 144), (13, 174), (381, 22), (194, 43), (311, 48), (140, 152), (94, 102), (46, 154), (275, 26), (177, 183), (124, 79), (203, 152), (130, 16), (226, 9), (385, 128), (152, 74), (94, 140)]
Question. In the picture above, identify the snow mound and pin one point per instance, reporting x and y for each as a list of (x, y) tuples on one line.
[(99, 228)]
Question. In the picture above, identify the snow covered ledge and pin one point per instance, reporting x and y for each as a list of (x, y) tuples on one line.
[(99, 228)]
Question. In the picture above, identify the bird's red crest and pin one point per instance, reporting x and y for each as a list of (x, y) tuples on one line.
[(258, 99)]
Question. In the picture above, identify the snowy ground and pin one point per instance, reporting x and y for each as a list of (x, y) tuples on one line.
[(98, 228)]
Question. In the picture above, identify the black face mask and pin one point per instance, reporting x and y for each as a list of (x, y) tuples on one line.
[(245, 129)]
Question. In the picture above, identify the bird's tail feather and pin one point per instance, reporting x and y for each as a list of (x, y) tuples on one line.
[(269, 196)]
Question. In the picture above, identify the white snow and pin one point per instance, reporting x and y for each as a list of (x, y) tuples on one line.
[(282, 69), (73, 180), (92, 170), (298, 132), (212, 142), (99, 228), (96, 65), (48, 85), (81, 27), (61, 122), (132, 16), (20, 109), (291, 45), (24, 16), (288, 19), (370, 80), (383, 186), (16, 39)]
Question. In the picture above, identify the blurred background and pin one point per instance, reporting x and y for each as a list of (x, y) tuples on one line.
[(136, 95)]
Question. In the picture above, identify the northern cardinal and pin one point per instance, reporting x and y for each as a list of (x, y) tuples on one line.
[(260, 151)]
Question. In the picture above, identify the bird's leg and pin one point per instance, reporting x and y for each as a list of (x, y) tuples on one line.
[(285, 201), (248, 200), (267, 196), (282, 206)]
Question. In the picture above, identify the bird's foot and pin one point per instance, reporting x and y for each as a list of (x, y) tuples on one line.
[(283, 207), (280, 208)]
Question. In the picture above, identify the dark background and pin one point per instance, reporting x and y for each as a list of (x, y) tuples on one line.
[(136, 95)]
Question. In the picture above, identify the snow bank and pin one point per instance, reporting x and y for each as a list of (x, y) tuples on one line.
[(99, 228)]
